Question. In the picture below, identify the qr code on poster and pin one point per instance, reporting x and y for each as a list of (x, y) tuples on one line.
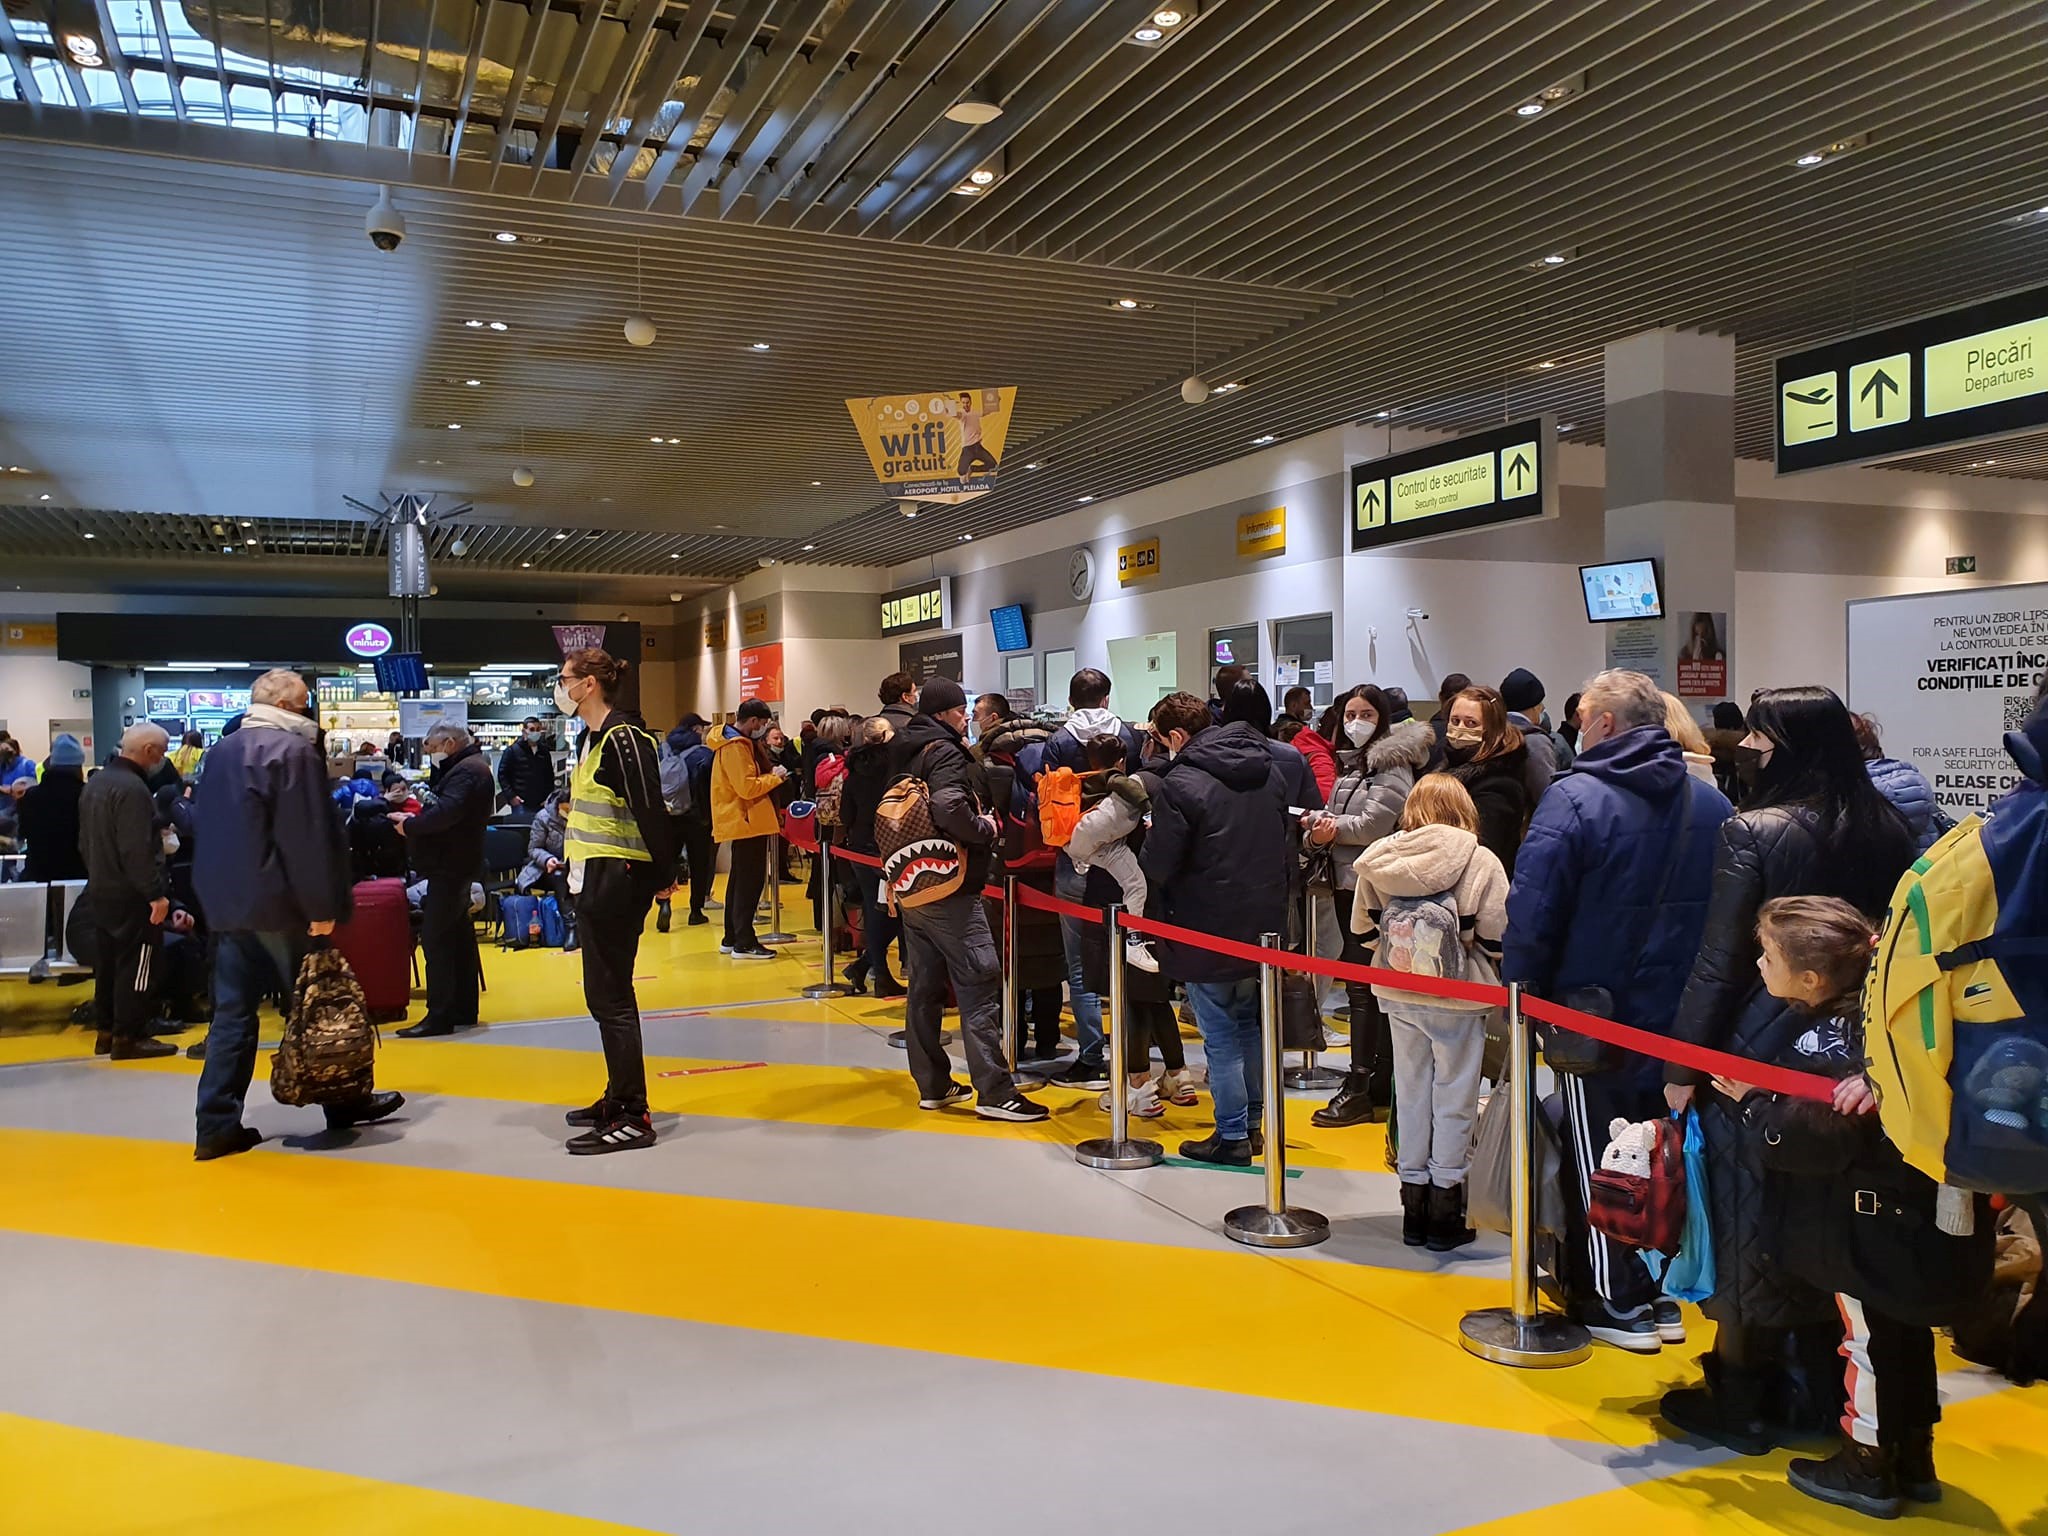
[(2017, 707)]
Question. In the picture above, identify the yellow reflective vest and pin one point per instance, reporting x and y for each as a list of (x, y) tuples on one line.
[(600, 824)]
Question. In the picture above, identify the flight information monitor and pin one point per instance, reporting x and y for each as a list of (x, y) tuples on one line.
[(1012, 633)]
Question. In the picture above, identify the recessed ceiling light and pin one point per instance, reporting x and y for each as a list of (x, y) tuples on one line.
[(89, 535), (967, 189), (526, 565), (1168, 16), (499, 325), (44, 497), (655, 439), (809, 547), (1148, 34), (966, 538), (1830, 151), (909, 511), (454, 426), (1812, 157), (472, 383), (1529, 109), (506, 237), (1546, 363), (816, 483), (1264, 438), (17, 469), (474, 325), (673, 441), (1567, 426), (1555, 259), (248, 541), (983, 177), (1084, 500), (1227, 389), (1126, 304), (247, 524), (757, 346), (1381, 415)]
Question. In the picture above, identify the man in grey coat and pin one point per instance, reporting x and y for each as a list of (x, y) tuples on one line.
[(124, 879)]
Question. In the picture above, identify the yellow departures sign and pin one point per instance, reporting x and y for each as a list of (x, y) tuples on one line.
[(2005, 364)]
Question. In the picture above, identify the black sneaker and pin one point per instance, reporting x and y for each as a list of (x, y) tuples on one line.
[(1091, 1075), (139, 1048), (1913, 1456), (1215, 1149), (1670, 1321), (1859, 1477), (698, 919), (954, 1093), (663, 916), (591, 1114), (758, 952), (239, 1140), (1015, 1107), (1634, 1331), (622, 1133)]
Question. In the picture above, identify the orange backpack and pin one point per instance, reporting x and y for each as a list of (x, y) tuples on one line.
[(1059, 806)]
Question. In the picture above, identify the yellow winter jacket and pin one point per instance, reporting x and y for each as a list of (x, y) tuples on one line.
[(740, 804)]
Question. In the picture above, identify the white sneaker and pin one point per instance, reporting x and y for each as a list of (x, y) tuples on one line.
[(1137, 952), (1178, 1087), (1142, 1101)]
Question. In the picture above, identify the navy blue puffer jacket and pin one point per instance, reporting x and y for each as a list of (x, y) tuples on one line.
[(1579, 911), (1912, 797)]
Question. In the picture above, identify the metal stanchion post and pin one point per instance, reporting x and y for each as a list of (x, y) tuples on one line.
[(1119, 1152), (830, 985), (1522, 1333), (775, 935), (1274, 1224), (1308, 1075), (1013, 1001)]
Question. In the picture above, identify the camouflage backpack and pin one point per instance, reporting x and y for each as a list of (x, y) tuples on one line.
[(326, 1053)]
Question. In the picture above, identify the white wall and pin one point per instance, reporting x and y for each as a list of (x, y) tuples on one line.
[(36, 689)]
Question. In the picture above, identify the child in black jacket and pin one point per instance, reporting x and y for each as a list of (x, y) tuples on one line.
[(1850, 1216)]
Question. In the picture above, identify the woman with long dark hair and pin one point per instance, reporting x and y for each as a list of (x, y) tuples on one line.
[(1486, 754), (1813, 825), (1378, 763)]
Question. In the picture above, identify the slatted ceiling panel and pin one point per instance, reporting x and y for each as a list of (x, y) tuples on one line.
[(1339, 188)]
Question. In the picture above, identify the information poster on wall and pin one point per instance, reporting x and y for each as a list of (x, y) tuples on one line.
[(1638, 646), (1946, 675), (761, 673), (1703, 656), (939, 656)]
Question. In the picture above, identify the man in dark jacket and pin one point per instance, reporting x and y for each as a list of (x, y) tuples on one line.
[(1249, 703), (526, 769), (271, 872), (446, 842), (1610, 892), (1217, 863), (1521, 691), (867, 780), (898, 697), (694, 826), (950, 938), (124, 876)]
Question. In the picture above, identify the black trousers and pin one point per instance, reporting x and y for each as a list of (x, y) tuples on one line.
[(946, 941), (744, 884), (448, 939), (1600, 1267), (1890, 1389), (1149, 1024), (611, 911), (1372, 1043), (703, 856), (1042, 1008), (128, 950)]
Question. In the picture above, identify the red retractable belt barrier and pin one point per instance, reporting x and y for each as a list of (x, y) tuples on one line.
[(1802, 1085)]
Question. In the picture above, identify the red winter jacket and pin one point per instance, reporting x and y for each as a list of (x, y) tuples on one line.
[(1322, 759)]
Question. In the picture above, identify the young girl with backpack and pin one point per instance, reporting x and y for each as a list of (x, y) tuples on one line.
[(1434, 903), (1847, 1215)]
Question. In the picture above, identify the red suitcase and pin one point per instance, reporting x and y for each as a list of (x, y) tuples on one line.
[(377, 943)]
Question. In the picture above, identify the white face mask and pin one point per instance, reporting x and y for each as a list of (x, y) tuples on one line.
[(437, 758), (563, 702), (1359, 731), (171, 843)]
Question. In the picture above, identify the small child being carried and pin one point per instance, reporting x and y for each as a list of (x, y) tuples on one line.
[(1113, 806)]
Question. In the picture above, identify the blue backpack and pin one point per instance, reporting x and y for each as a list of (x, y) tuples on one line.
[(553, 931), (519, 922)]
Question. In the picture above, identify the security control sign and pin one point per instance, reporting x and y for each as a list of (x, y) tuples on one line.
[(1500, 476), (1935, 382)]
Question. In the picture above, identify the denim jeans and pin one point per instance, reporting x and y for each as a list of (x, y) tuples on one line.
[(1227, 1013), (1069, 884), (247, 967), (949, 940)]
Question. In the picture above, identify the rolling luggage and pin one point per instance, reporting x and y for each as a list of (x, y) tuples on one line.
[(377, 943)]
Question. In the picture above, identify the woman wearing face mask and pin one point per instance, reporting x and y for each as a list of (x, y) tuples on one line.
[(1378, 764), (1813, 825), (1485, 754), (621, 852)]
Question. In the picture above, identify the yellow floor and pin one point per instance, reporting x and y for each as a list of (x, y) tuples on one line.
[(1365, 1338)]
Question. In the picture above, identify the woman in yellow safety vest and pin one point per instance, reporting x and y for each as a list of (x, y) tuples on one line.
[(620, 846)]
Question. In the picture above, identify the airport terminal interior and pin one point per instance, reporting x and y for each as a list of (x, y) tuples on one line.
[(417, 415)]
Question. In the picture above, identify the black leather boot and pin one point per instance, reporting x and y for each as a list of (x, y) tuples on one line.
[(1414, 1214), (1859, 1477), (1447, 1229), (1352, 1104)]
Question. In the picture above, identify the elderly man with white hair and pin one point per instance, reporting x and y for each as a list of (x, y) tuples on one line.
[(124, 880), (445, 840), (271, 873), (1605, 915)]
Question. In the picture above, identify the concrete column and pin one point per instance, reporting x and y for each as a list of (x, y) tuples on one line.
[(1671, 491)]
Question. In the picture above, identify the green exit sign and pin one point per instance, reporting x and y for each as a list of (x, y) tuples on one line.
[(1962, 565)]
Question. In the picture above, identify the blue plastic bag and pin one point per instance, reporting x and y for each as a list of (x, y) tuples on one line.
[(1689, 1276)]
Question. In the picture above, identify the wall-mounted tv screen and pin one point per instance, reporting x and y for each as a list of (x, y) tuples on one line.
[(1625, 589), (400, 672), (1012, 633)]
